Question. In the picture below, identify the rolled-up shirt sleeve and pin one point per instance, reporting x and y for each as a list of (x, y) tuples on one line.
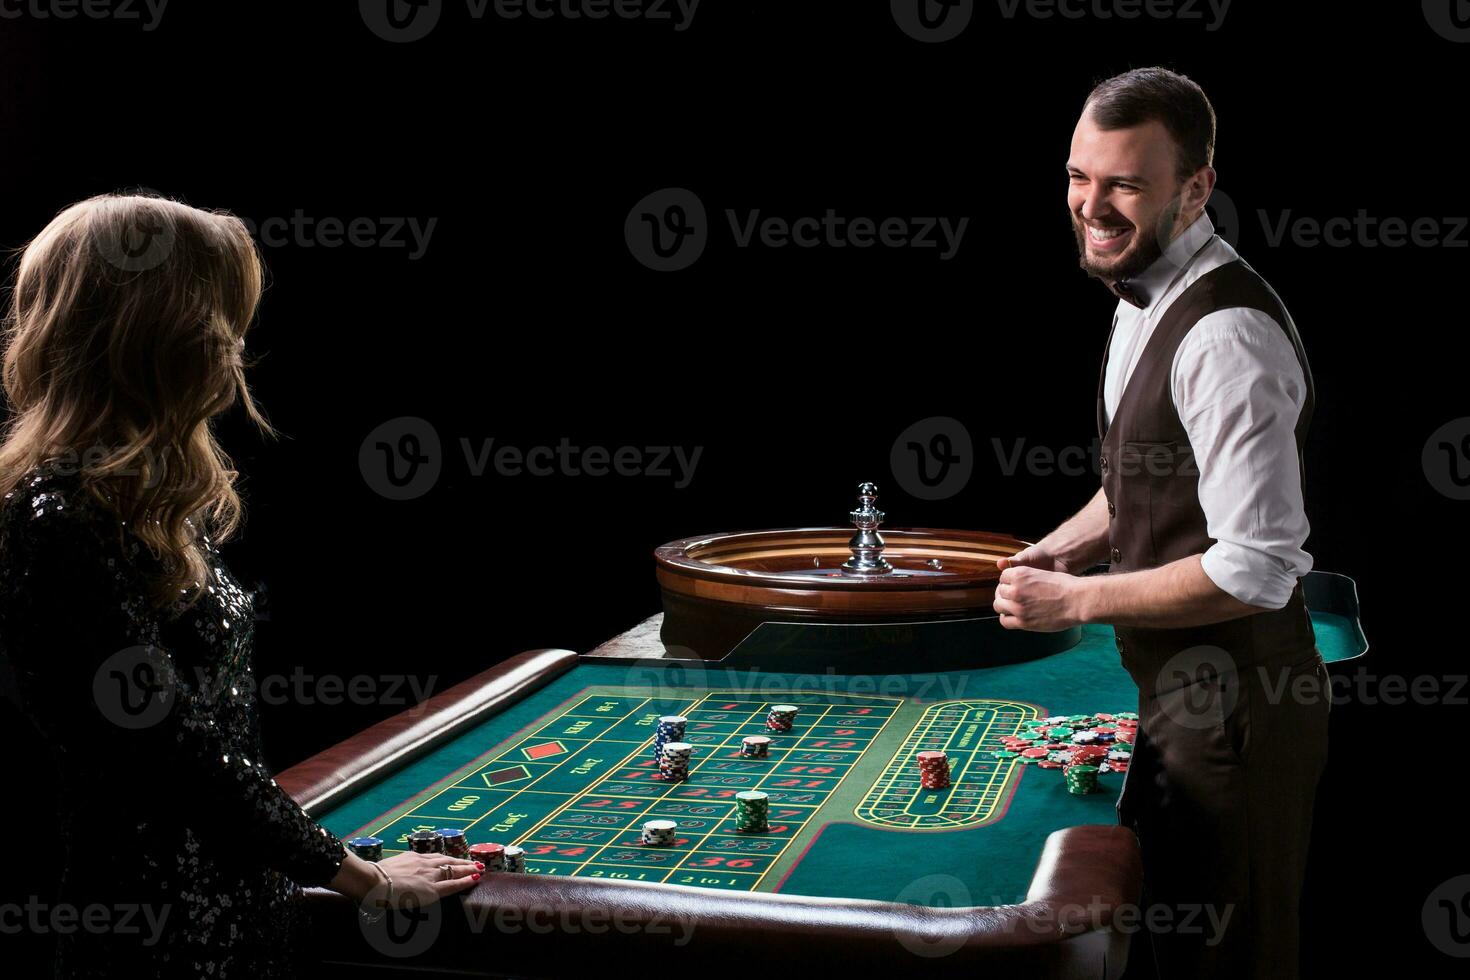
[(1239, 390)]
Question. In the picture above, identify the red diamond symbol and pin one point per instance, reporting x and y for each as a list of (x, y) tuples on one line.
[(544, 750)]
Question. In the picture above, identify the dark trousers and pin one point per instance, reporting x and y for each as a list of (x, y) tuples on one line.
[(1220, 792)]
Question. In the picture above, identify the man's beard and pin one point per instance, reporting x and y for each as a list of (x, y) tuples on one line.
[(1141, 253)]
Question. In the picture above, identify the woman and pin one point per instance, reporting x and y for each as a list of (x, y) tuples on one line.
[(130, 640)]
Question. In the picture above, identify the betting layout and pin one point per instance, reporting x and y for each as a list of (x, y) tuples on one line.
[(724, 789), (962, 737), (575, 793)]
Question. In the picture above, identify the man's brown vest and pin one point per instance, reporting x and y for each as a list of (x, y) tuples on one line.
[(1151, 483)]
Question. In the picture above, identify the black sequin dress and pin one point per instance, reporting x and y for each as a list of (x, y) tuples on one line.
[(166, 808)]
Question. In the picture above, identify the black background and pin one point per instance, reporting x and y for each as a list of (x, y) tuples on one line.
[(792, 370)]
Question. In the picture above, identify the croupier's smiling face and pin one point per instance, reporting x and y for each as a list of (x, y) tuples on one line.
[(1124, 196)]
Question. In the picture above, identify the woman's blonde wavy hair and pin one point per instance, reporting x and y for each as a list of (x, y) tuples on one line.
[(123, 341)]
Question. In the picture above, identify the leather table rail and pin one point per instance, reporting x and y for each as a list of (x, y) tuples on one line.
[(544, 926)]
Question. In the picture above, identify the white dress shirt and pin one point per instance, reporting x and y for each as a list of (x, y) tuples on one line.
[(1239, 390)]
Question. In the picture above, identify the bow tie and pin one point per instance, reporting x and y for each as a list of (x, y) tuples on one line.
[(1129, 293)]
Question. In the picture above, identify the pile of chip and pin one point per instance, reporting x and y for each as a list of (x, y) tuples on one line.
[(755, 747), (933, 770), (673, 765), (425, 842), (752, 808), (492, 856), (515, 859), (453, 842), (659, 833), (780, 717), (367, 848), (1082, 746), (670, 729)]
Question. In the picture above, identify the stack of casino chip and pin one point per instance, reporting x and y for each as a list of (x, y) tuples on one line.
[(755, 747), (367, 848), (492, 856), (1081, 780), (673, 765), (515, 859), (659, 833), (453, 842), (933, 770), (752, 810), (670, 729), (780, 717), (425, 842)]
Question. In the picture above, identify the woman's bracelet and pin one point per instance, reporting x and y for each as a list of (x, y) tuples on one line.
[(386, 902)]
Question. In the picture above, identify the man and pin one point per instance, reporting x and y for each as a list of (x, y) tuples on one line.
[(1203, 407)]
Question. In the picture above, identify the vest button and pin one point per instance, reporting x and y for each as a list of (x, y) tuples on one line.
[(1104, 462), (1117, 556), (1112, 509)]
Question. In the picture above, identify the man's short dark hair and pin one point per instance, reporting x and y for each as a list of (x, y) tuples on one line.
[(1178, 103)]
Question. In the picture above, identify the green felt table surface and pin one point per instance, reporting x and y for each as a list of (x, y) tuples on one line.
[(567, 773)]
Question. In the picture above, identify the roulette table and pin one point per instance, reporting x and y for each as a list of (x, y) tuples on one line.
[(859, 857)]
